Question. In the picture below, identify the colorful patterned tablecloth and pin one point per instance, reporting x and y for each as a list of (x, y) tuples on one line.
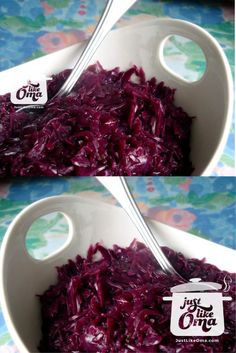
[(202, 206), (32, 28)]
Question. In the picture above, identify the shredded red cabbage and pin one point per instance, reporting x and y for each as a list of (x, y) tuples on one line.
[(109, 125), (114, 304)]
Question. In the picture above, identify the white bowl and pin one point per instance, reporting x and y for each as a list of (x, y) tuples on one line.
[(210, 99), (22, 277)]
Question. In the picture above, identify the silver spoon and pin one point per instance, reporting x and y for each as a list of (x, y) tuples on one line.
[(120, 190), (111, 14)]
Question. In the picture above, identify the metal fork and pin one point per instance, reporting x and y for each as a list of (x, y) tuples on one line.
[(120, 190), (111, 14)]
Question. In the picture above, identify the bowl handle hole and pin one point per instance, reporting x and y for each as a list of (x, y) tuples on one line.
[(183, 58), (41, 236)]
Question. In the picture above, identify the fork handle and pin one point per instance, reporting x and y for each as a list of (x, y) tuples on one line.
[(111, 14), (120, 190)]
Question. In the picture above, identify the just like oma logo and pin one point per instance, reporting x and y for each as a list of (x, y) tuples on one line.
[(197, 309), (34, 92)]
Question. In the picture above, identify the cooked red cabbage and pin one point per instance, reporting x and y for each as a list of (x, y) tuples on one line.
[(108, 125), (114, 304)]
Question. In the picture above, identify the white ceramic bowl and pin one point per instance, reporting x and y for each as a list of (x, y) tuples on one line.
[(210, 99), (22, 277)]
